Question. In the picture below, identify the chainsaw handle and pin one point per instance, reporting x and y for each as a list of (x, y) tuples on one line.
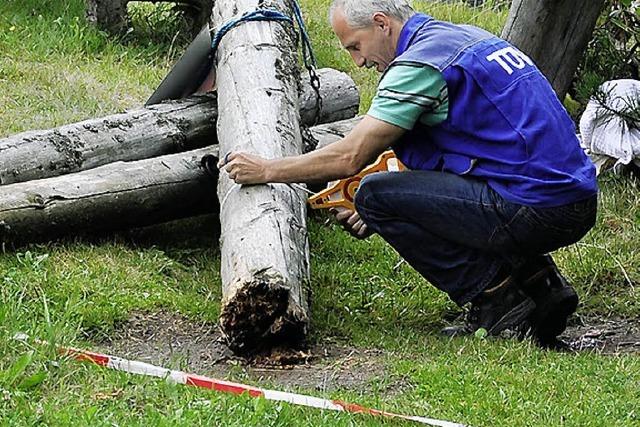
[(342, 192)]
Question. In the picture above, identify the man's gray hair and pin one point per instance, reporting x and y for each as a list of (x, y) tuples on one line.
[(359, 13)]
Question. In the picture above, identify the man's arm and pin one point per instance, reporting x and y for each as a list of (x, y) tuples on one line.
[(341, 159)]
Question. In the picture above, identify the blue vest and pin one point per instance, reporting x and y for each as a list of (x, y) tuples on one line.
[(505, 124)]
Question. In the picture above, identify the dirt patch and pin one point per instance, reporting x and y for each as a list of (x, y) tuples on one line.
[(169, 340), (605, 336), (173, 341)]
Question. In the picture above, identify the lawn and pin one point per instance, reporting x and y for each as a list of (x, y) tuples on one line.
[(55, 69)]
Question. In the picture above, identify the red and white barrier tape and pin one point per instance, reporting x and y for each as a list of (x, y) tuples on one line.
[(143, 368)]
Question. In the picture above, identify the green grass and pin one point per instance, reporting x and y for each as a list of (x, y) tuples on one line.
[(55, 69)]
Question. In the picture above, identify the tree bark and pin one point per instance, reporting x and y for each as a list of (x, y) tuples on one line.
[(554, 33), (197, 13), (148, 132), (112, 15), (120, 195), (108, 15), (264, 244)]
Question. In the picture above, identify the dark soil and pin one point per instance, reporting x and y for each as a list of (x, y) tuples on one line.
[(173, 341), (604, 336)]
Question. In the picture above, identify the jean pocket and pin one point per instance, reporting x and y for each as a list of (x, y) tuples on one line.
[(535, 230), (553, 228), (566, 219)]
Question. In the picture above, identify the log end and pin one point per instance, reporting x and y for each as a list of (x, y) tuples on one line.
[(263, 314)]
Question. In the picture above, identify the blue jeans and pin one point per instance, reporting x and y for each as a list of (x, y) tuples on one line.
[(458, 233)]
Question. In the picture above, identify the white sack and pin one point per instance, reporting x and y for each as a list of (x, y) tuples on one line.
[(605, 136)]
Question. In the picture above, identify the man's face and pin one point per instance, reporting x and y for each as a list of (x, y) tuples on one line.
[(371, 46)]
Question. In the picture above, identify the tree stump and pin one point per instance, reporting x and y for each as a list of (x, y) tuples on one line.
[(112, 15), (108, 15)]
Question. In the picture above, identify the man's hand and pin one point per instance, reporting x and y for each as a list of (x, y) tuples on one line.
[(352, 222), (245, 168)]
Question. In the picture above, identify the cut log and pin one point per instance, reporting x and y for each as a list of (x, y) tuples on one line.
[(148, 132), (264, 245), (554, 33), (120, 195)]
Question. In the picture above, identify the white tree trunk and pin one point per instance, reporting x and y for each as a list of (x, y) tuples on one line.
[(264, 244), (148, 132)]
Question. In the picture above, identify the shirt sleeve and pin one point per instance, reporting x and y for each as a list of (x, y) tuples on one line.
[(409, 93)]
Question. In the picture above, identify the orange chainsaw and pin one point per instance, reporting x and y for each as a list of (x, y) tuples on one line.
[(339, 194)]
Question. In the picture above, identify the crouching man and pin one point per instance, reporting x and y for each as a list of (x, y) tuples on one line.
[(496, 177)]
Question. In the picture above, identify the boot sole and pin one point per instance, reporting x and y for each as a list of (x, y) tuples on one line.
[(552, 322), (514, 317)]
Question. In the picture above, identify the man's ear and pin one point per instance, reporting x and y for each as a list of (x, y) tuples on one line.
[(380, 20)]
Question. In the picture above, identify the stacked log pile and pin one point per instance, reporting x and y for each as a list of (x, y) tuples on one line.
[(133, 169), (122, 194), (149, 166), (151, 131)]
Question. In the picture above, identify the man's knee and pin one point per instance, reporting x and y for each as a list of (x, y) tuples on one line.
[(365, 199), (373, 200)]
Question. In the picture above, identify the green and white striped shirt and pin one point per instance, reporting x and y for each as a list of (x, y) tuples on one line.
[(408, 93)]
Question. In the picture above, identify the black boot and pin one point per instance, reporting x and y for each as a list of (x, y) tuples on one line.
[(555, 299), (501, 307)]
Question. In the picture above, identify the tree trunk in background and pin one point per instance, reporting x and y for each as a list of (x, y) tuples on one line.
[(108, 15), (197, 12), (120, 195), (112, 15), (147, 132), (554, 33), (263, 243)]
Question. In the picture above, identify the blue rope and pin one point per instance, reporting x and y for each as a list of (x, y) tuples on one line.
[(256, 15), (271, 15), (275, 15), (307, 49)]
